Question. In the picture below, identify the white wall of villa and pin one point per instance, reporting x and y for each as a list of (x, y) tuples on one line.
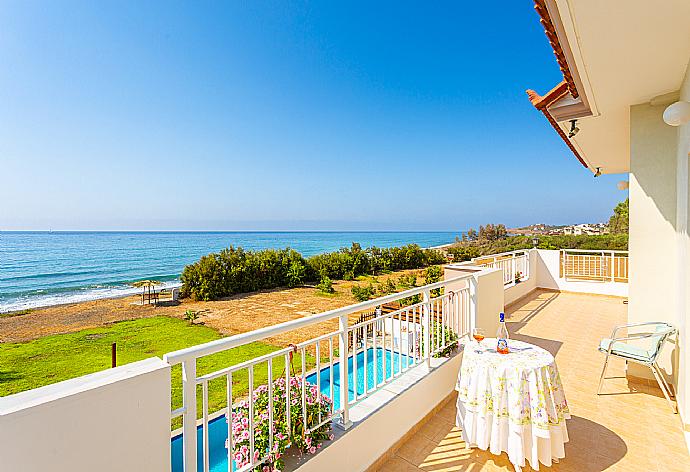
[(517, 291), (626, 73), (683, 155), (487, 294), (654, 251), (547, 271), (659, 244), (111, 421)]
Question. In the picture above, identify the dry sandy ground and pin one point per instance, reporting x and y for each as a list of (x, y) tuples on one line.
[(229, 316)]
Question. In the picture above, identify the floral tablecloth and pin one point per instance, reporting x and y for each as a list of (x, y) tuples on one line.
[(512, 402)]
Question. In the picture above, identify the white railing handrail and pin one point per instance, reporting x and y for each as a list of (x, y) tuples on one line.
[(511, 263), (597, 251), (500, 254), (241, 339), (436, 316), (594, 264)]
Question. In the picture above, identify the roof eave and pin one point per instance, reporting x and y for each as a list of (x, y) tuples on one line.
[(542, 103)]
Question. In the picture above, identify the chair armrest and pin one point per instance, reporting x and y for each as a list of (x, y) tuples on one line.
[(634, 325), (630, 337), (634, 336)]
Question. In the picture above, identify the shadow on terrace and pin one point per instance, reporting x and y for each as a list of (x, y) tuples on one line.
[(629, 428)]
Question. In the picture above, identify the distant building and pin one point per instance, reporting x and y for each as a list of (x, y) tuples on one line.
[(586, 228)]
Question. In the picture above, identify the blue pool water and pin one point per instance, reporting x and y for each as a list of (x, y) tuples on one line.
[(44, 268), (218, 428)]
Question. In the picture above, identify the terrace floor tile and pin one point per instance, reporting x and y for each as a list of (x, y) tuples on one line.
[(630, 429)]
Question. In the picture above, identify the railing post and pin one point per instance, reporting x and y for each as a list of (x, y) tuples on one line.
[(613, 271), (472, 308), (345, 422), (189, 415), (513, 267), (426, 327)]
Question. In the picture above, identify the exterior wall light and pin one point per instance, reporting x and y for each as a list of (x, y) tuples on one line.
[(535, 241), (677, 114), (573, 129), (598, 172)]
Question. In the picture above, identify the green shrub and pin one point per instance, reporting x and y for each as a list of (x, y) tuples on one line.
[(407, 281), (325, 285), (388, 287), (296, 274), (191, 316), (234, 270), (362, 294), (450, 339), (414, 299), (432, 275)]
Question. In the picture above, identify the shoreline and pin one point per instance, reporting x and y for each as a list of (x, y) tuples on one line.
[(32, 305), (230, 315), (39, 302)]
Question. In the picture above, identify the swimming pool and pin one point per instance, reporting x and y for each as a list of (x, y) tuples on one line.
[(218, 428)]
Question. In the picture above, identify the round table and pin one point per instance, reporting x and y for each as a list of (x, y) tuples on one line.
[(512, 402)]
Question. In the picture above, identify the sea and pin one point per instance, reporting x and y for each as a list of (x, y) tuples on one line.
[(39, 269)]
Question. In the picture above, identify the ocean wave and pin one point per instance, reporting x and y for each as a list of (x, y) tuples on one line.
[(39, 269), (79, 295)]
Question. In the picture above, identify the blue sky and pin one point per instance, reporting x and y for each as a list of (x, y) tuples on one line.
[(267, 115)]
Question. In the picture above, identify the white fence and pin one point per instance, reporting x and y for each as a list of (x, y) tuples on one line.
[(514, 264), (595, 265), (430, 319)]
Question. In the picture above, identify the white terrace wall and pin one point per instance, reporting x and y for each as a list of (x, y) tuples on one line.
[(517, 291), (488, 293), (115, 420), (544, 272), (548, 269)]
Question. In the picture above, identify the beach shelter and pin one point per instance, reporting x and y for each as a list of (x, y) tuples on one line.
[(147, 288)]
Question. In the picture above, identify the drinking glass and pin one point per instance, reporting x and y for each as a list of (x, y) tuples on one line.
[(478, 335)]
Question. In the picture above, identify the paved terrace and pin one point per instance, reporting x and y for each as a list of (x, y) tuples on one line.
[(631, 431)]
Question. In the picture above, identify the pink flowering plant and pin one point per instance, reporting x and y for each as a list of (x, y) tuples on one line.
[(283, 436)]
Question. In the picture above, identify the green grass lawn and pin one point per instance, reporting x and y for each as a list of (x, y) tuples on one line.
[(51, 359)]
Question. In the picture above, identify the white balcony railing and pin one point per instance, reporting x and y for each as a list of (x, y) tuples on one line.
[(594, 265), (514, 264), (429, 319)]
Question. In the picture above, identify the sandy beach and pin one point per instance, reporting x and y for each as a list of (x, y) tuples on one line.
[(232, 315)]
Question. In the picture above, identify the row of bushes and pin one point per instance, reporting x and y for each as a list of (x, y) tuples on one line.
[(349, 263), (235, 270), (466, 250), (371, 290)]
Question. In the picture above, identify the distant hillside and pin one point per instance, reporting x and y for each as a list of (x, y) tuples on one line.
[(468, 249), (550, 230), (539, 228)]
